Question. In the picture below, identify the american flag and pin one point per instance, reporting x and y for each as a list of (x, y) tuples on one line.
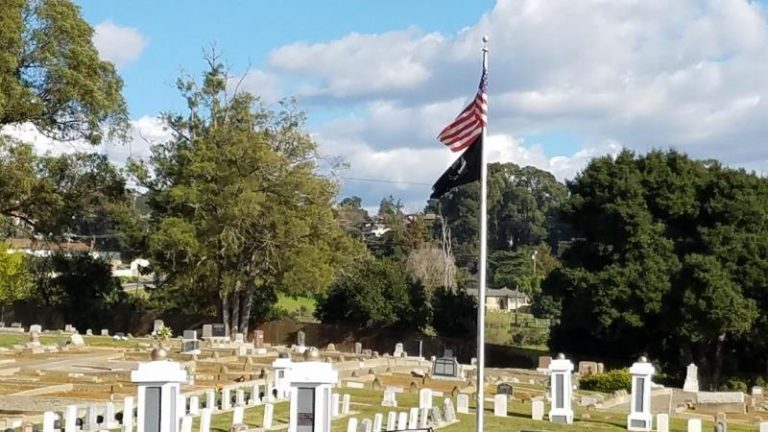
[(463, 130)]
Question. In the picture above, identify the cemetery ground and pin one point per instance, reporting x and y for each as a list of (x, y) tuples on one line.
[(51, 375)]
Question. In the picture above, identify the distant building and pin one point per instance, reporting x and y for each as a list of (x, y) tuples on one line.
[(41, 248), (502, 299)]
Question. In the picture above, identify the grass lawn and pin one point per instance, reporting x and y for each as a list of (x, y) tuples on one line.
[(518, 330), (10, 339), (366, 403), (296, 304)]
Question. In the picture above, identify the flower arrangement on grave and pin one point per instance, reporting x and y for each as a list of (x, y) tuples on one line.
[(163, 334)]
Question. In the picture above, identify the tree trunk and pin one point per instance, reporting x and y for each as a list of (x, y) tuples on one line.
[(250, 287), (236, 309), (717, 362), (225, 311)]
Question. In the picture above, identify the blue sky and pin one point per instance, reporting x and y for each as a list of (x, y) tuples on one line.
[(567, 80)]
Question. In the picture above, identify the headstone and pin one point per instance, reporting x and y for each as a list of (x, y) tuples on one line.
[(335, 405), (194, 405), (186, 424), (544, 362), (358, 348), (587, 368), (237, 415), (35, 328), (258, 339), (391, 420), (537, 409), (76, 340), (504, 389), (402, 421), (330, 347), (691, 383), (445, 367), (763, 426), (226, 399), (390, 399), (437, 416), (240, 397), (378, 418), (92, 417), (49, 418), (159, 389), (413, 418), (207, 331), (662, 422), (367, 425), (210, 399), (500, 405), (69, 328), (128, 414), (640, 417), (301, 338), (450, 412), (205, 420), (694, 425), (462, 403), (425, 398), (269, 411), (109, 416), (239, 338), (757, 391), (70, 418), (345, 404), (423, 418), (218, 330), (157, 325), (105, 332), (398, 350), (352, 424), (253, 397), (561, 390)]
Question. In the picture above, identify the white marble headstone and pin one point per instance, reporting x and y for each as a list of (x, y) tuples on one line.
[(462, 403), (413, 418), (352, 425), (391, 420), (662, 422), (425, 398), (537, 410), (500, 405), (269, 411), (694, 425)]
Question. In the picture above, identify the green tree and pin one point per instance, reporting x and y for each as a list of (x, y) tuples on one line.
[(666, 261), (352, 215), (237, 205), (51, 75), (14, 278), (375, 294), (522, 211)]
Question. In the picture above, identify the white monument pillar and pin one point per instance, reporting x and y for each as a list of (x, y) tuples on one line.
[(282, 369), (159, 385), (561, 390), (310, 390), (640, 418)]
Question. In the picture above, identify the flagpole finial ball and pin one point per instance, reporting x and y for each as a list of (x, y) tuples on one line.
[(485, 39), (561, 356)]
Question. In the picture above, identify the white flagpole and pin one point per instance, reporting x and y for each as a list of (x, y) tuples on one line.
[(483, 258)]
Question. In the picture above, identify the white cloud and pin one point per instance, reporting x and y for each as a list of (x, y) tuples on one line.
[(265, 85), (120, 45), (143, 133), (690, 74)]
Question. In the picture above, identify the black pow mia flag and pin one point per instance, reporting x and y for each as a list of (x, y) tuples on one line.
[(465, 169)]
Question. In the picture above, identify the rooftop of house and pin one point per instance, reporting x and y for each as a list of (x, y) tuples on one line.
[(500, 292), (27, 244)]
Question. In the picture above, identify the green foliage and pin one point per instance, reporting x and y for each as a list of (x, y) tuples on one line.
[(82, 288), (237, 206), (375, 294), (608, 382), (51, 75), (668, 258), (454, 313), (522, 205), (14, 276), (163, 334), (734, 384)]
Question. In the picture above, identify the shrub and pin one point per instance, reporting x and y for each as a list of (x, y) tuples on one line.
[(608, 382), (734, 384)]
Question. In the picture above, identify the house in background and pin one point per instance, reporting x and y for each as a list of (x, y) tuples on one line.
[(502, 299)]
